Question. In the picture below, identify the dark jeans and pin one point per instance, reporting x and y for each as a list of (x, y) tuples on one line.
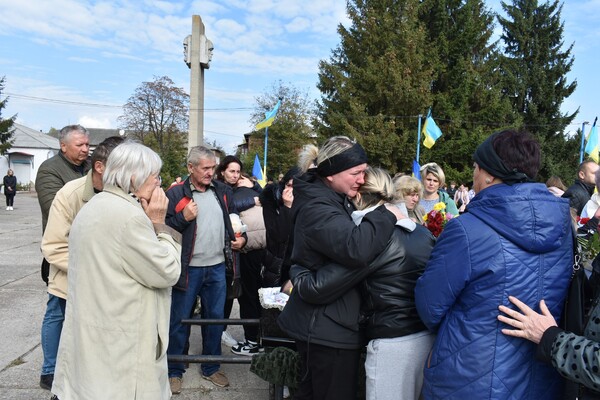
[(327, 373), (9, 200), (250, 265), (209, 284)]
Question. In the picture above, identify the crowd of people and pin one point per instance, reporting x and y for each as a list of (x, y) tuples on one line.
[(435, 317)]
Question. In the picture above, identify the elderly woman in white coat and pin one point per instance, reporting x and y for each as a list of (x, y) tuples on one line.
[(123, 261)]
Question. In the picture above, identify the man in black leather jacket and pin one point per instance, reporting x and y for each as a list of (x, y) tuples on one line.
[(580, 192)]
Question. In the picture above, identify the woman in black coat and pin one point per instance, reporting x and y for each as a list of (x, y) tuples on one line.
[(10, 189), (276, 200), (326, 338)]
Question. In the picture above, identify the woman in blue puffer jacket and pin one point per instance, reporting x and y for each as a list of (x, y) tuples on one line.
[(514, 239)]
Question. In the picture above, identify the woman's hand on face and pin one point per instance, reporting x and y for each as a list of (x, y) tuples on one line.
[(288, 196), (528, 324), (156, 208)]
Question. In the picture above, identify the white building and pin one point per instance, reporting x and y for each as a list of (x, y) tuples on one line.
[(30, 148)]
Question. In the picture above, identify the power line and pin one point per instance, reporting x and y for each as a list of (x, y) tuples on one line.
[(234, 109), (99, 105)]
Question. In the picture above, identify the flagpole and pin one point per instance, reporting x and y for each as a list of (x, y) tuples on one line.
[(265, 159), (419, 138), (582, 141)]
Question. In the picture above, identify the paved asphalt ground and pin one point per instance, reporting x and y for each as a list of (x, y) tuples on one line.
[(22, 306)]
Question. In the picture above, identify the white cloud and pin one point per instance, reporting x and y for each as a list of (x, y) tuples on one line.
[(96, 122), (298, 25)]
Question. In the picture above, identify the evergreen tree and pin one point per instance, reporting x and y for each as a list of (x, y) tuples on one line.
[(378, 80), (290, 131), (534, 68), (468, 104), (6, 125)]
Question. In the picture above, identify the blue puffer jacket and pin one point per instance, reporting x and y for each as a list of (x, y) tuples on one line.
[(514, 240)]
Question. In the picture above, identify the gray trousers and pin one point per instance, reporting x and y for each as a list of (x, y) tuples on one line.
[(394, 366)]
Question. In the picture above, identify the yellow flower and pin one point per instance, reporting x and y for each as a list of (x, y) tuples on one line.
[(425, 218), (439, 206)]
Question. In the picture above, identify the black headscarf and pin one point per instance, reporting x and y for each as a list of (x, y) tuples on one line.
[(486, 157), (349, 158)]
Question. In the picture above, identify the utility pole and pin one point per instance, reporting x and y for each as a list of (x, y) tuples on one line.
[(197, 51)]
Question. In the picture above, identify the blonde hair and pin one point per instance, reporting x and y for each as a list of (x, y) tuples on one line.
[(406, 185), (307, 157), (377, 189), (435, 170)]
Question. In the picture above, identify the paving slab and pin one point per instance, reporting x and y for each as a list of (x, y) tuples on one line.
[(22, 305)]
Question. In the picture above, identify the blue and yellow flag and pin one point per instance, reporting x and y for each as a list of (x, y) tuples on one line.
[(258, 172), (430, 131), (591, 146), (416, 170), (269, 117)]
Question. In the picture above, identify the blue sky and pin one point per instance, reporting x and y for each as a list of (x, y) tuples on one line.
[(70, 61)]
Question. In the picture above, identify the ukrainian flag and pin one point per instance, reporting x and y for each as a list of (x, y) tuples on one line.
[(269, 117), (258, 173), (430, 131), (591, 146)]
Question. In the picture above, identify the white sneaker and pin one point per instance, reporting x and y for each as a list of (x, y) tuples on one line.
[(11, 209), (7, 208), (228, 340)]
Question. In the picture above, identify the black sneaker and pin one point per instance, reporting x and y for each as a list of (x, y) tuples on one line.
[(248, 348), (46, 381)]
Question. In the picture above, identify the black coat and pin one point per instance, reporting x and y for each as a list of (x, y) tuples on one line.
[(279, 236), (388, 285), (10, 185), (579, 194), (324, 232)]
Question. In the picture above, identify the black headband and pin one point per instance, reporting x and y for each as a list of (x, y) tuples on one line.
[(486, 157), (349, 158)]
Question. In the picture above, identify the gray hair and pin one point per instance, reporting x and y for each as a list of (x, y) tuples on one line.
[(198, 153), (66, 132), (129, 165)]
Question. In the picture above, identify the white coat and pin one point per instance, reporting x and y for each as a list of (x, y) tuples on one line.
[(115, 337)]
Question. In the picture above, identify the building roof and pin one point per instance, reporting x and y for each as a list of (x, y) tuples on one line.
[(97, 135), (24, 137)]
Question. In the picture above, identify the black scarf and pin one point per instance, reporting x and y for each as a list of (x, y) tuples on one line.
[(486, 157)]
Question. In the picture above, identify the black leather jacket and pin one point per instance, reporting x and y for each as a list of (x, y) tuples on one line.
[(579, 194), (324, 233), (388, 284)]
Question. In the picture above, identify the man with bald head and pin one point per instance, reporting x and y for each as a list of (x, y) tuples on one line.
[(580, 192)]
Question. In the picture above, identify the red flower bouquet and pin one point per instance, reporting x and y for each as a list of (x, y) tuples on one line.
[(436, 219)]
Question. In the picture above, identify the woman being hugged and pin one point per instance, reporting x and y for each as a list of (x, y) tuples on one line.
[(515, 240), (327, 335)]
